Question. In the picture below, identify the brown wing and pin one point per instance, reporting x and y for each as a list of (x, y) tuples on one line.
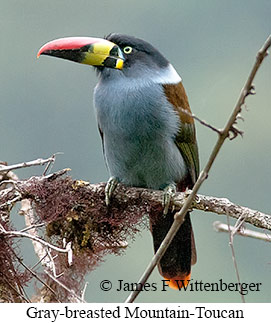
[(186, 136)]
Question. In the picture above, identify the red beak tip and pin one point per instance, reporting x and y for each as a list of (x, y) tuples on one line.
[(67, 43), (39, 52)]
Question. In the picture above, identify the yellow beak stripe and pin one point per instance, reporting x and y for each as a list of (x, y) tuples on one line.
[(99, 52), (119, 64)]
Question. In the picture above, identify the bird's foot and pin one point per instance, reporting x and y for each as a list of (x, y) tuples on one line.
[(109, 189), (169, 193)]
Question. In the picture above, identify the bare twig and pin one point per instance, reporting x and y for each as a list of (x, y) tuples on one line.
[(223, 206), (57, 174), (33, 226), (238, 225), (72, 294), (11, 202), (30, 220), (40, 261), (14, 289), (36, 276), (49, 164), (6, 182), (84, 290), (234, 259), (222, 227), (203, 122), (37, 162), (20, 234), (179, 216)]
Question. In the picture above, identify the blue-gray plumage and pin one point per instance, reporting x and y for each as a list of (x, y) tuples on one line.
[(139, 127)]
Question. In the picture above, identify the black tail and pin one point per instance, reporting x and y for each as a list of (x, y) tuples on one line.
[(181, 253)]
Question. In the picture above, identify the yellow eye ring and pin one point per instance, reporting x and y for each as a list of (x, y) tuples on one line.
[(127, 50)]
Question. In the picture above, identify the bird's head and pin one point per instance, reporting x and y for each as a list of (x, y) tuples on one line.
[(116, 54)]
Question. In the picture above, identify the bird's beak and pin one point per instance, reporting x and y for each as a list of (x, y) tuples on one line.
[(85, 50)]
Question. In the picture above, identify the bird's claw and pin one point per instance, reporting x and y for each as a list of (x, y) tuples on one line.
[(169, 193), (109, 189)]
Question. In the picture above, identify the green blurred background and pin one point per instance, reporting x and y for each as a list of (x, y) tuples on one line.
[(46, 107)]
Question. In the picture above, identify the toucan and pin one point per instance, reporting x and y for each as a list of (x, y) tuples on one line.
[(147, 131)]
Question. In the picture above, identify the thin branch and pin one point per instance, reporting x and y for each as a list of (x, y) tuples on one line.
[(223, 206), (202, 122), (234, 259), (8, 181), (40, 261), (12, 201), (222, 227), (57, 174), (84, 291), (179, 216), (15, 290), (71, 292), (37, 162), (36, 276), (238, 225), (20, 234), (33, 226), (30, 220), (49, 164), (52, 264)]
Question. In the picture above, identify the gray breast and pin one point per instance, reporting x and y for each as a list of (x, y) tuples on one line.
[(139, 127)]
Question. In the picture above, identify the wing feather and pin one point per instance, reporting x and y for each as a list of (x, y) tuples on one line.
[(186, 136)]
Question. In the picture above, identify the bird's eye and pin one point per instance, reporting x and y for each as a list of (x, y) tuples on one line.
[(128, 50)]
